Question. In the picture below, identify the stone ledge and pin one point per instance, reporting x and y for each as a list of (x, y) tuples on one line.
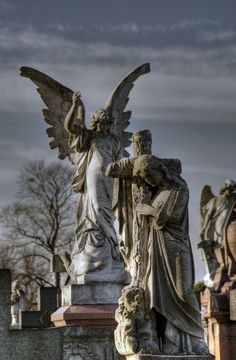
[(85, 315)]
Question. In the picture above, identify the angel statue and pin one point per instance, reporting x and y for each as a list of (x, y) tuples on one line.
[(95, 256), (216, 214)]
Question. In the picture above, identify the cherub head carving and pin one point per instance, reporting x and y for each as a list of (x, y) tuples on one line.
[(131, 300)]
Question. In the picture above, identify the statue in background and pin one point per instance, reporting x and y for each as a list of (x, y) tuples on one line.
[(18, 303), (217, 213), (95, 253), (171, 307)]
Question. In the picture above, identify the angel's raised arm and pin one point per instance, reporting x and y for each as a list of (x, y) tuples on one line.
[(74, 121)]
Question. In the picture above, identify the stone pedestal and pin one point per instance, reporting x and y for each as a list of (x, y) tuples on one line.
[(221, 330), (88, 305), (169, 357), (86, 315), (91, 294), (89, 343)]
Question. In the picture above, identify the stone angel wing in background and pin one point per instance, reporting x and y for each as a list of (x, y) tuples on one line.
[(58, 100), (117, 101)]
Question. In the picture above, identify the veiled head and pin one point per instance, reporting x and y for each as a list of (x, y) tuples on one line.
[(101, 122), (151, 169)]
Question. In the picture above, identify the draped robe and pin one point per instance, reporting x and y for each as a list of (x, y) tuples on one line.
[(96, 245)]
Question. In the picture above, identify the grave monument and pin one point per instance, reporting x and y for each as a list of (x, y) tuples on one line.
[(218, 244), (157, 314)]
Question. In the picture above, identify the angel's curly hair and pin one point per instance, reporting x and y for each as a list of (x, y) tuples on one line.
[(228, 186), (96, 118)]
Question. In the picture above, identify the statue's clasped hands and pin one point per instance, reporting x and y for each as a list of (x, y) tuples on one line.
[(146, 210)]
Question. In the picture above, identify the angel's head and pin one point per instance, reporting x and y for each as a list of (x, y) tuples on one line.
[(228, 187), (101, 122)]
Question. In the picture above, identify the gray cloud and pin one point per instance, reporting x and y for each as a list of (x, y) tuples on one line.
[(217, 36), (187, 83), (5, 6)]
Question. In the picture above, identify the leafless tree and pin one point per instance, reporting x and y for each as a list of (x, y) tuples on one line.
[(39, 223)]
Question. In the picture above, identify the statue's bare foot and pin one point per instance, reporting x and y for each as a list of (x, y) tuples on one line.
[(65, 258)]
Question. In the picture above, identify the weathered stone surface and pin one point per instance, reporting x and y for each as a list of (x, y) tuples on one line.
[(89, 343), (91, 294)]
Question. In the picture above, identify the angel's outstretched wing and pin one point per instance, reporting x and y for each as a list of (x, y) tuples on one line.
[(206, 196), (58, 100), (117, 102)]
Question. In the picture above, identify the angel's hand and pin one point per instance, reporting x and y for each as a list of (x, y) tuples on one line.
[(146, 210), (76, 95)]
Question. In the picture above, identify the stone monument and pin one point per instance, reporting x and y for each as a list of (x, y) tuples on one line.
[(157, 312), (218, 243)]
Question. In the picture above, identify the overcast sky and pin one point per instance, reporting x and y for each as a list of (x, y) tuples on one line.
[(188, 100)]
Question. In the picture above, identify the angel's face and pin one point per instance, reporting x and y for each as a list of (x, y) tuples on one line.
[(103, 124)]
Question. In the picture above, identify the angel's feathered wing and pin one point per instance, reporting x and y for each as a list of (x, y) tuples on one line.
[(58, 99), (117, 101)]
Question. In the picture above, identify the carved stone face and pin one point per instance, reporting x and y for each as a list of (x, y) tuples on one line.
[(101, 122), (133, 299)]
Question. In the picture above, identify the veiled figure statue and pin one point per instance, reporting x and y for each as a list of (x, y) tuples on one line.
[(131, 191), (169, 277), (95, 254)]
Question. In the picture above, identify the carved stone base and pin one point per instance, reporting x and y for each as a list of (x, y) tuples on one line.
[(170, 357), (85, 315), (89, 343), (90, 294), (117, 276)]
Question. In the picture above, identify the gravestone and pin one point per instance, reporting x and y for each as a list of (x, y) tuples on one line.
[(47, 304)]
